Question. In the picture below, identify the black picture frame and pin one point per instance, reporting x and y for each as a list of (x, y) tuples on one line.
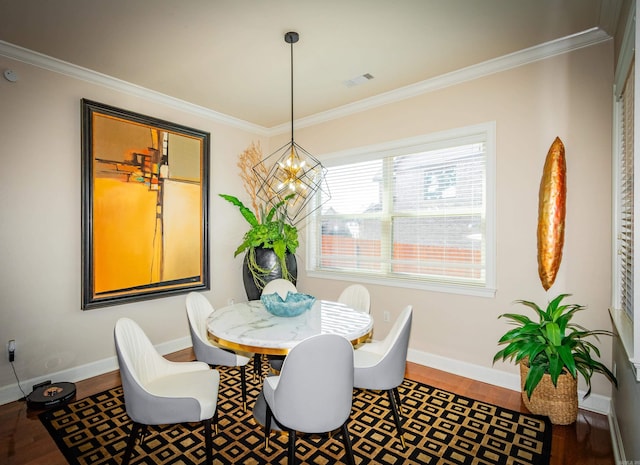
[(145, 207)]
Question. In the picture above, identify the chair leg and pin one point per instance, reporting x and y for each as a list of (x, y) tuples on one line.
[(243, 381), (136, 428), (397, 393), (396, 416), (215, 422), (208, 440), (267, 427), (292, 447), (257, 367), (348, 451)]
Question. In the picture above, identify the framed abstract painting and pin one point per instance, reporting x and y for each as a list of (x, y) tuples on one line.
[(145, 192)]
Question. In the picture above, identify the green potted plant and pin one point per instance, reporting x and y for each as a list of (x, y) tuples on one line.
[(271, 232), (551, 352), (271, 242)]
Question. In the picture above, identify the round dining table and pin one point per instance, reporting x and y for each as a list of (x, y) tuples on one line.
[(249, 327)]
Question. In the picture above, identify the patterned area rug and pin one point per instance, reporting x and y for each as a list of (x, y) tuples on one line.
[(440, 428)]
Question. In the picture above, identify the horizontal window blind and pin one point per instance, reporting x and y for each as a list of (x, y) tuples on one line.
[(417, 216), (626, 203)]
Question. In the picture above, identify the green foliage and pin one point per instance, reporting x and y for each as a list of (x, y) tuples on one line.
[(273, 232), (552, 344)]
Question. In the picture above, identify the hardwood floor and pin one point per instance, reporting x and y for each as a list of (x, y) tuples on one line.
[(586, 442), (24, 441)]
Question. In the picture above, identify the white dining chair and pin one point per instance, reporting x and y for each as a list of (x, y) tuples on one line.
[(314, 391), (198, 310), (357, 297), (380, 365), (281, 286), (161, 392)]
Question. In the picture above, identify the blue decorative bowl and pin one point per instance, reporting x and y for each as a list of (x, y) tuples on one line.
[(295, 304)]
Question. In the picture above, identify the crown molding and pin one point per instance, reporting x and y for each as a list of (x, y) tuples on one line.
[(570, 43), (526, 56), (609, 15), (78, 72), (626, 54)]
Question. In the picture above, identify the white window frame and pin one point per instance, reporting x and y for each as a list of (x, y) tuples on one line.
[(627, 328), (404, 147)]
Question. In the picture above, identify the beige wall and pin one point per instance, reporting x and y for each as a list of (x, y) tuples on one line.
[(626, 404), (567, 96), (40, 242)]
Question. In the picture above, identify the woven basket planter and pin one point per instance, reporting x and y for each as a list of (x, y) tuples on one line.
[(559, 403)]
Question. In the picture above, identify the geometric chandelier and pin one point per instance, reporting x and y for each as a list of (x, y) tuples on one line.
[(291, 174)]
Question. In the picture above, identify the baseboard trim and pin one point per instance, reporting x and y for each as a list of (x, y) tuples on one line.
[(594, 403), (12, 392), (616, 438)]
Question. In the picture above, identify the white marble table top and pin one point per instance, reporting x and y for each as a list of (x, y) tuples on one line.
[(249, 327)]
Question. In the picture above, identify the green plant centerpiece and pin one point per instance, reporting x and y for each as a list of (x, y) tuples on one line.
[(552, 346), (271, 231)]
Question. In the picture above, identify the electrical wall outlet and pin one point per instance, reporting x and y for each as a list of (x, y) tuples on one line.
[(386, 316), (11, 348)]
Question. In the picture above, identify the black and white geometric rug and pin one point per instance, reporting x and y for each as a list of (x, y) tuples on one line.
[(439, 428)]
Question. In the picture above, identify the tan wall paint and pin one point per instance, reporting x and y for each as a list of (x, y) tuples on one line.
[(566, 96), (40, 236)]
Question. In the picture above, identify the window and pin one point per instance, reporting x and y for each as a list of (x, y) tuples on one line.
[(625, 224), (625, 202), (415, 213), (440, 182)]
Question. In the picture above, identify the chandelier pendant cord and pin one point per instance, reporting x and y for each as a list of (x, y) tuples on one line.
[(291, 92), (291, 38)]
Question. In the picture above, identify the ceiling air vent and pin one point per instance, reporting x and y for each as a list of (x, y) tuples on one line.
[(356, 81)]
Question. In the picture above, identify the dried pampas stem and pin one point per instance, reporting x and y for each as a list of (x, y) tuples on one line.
[(247, 160)]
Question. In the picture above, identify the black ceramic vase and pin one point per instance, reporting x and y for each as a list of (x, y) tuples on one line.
[(267, 260)]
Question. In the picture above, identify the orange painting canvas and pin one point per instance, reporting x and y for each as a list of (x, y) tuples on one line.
[(145, 191)]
